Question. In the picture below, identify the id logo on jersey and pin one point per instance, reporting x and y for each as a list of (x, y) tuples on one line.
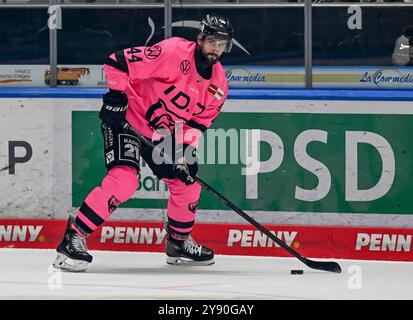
[(185, 66), (153, 52), (158, 117)]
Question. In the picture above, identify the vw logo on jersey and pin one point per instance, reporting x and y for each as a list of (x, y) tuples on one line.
[(185, 66), (153, 52)]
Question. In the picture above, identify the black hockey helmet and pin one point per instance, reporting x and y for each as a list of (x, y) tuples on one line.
[(219, 27)]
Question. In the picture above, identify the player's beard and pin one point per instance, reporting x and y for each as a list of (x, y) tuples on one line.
[(209, 58), (212, 58)]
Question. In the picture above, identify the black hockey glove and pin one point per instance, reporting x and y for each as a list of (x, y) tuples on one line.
[(186, 165), (114, 107)]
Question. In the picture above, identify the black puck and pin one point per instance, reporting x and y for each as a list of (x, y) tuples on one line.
[(297, 271)]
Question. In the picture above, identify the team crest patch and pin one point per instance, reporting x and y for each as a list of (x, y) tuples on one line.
[(113, 203), (153, 52), (185, 66), (193, 206), (218, 93)]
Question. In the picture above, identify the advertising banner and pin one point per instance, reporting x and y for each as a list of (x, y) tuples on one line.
[(71, 76), (234, 239), (344, 159), (39, 76), (354, 77), (27, 151)]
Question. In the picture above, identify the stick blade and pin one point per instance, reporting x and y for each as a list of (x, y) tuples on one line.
[(324, 266)]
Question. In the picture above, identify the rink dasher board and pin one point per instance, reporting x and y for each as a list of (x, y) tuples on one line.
[(44, 186)]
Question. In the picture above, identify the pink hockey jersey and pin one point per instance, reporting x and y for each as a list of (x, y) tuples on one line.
[(164, 87)]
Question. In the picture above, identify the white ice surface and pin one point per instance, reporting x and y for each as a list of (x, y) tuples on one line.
[(26, 274)]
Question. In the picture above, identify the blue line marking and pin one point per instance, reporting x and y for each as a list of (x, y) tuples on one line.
[(240, 94)]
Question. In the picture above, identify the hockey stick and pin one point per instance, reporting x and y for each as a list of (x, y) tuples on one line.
[(319, 265)]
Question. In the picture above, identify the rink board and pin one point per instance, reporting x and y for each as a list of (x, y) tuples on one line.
[(340, 162), (232, 239)]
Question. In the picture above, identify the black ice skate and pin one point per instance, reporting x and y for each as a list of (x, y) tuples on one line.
[(188, 252), (72, 252)]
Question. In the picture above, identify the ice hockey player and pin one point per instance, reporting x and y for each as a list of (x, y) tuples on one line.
[(153, 89)]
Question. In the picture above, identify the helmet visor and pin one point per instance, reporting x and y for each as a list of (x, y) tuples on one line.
[(222, 43)]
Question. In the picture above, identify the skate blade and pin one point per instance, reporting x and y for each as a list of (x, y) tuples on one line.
[(65, 263), (187, 262)]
